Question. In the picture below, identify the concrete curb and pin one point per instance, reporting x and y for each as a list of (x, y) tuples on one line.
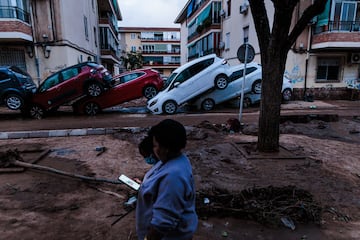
[(65, 132)]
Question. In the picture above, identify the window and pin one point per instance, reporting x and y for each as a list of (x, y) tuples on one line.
[(345, 13), (86, 28), (227, 40), (95, 37), (246, 34), (229, 8), (133, 48), (70, 73), (240, 73), (328, 69), (50, 82), (133, 35)]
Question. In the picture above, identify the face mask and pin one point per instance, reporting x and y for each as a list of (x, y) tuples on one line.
[(150, 160)]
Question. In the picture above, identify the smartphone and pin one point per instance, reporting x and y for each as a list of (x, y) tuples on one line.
[(128, 181)]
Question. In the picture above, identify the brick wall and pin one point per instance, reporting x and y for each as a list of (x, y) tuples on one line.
[(15, 26), (336, 37)]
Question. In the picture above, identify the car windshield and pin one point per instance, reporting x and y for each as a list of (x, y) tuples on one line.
[(19, 71), (171, 77)]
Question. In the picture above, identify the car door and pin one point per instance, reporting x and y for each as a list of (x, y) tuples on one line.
[(59, 88), (48, 93), (191, 81), (131, 85)]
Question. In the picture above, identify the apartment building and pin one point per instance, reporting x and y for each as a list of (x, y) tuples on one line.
[(323, 62), (159, 47), (43, 37)]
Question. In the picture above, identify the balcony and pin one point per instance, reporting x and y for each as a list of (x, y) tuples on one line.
[(154, 52), (337, 34), (108, 21), (15, 13), (15, 25)]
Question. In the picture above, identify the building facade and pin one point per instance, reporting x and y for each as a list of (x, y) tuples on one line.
[(159, 47), (43, 37), (324, 62)]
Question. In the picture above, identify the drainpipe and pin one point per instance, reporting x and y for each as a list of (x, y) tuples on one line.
[(36, 54), (307, 62)]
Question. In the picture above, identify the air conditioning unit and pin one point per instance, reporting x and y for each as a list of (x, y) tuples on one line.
[(221, 45), (222, 13), (355, 58), (244, 8)]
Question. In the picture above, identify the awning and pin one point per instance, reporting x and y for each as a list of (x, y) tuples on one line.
[(323, 18), (204, 14)]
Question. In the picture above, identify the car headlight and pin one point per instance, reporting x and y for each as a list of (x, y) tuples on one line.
[(153, 103)]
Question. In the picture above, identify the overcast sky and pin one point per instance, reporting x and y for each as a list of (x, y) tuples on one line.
[(150, 13)]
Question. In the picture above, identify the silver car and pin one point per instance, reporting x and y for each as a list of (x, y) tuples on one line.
[(208, 100), (252, 87)]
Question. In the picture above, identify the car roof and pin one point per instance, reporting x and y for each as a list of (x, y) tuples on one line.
[(179, 69), (241, 66)]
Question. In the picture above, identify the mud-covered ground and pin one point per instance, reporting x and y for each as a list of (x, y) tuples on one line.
[(319, 157)]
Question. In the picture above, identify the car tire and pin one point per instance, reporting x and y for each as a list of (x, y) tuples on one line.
[(170, 107), (14, 101), (256, 86), (286, 95), (221, 81), (94, 89), (91, 108), (246, 102), (36, 112), (208, 104), (150, 92)]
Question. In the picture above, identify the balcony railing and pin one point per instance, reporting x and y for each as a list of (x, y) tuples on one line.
[(338, 26), (14, 12), (159, 39), (160, 52)]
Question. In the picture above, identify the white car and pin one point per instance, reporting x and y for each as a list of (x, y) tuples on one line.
[(189, 81), (253, 98), (252, 88), (208, 100)]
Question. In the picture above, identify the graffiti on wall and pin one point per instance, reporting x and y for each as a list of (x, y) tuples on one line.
[(294, 75), (353, 83)]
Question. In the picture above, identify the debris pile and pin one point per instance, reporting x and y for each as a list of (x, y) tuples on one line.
[(268, 205)]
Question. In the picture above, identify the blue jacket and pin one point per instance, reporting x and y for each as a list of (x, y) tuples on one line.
[(166, 200)]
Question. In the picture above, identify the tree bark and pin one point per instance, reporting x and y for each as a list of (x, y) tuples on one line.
[(274, 47)]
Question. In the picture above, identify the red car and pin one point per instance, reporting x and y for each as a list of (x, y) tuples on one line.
[(68, 85), (128, 86)]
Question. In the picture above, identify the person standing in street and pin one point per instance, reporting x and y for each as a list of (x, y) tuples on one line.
[(166, 199)]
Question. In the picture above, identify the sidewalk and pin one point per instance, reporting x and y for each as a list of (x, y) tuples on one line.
[(293, 105)]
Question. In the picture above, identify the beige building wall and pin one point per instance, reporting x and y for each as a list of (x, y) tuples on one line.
[(59, 28)]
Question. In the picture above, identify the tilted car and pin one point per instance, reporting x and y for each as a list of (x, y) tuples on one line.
[(68, 85), (253, 98), (128, 86), (252, 85), (208, 100), (16, 87), (189, 81)]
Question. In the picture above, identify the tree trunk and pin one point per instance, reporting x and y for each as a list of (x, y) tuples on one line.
[(273, 67)]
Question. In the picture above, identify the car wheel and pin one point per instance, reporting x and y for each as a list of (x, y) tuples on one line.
[(208, 104), (36, 112), (256, 87), (170, 107), (14, 101), (150, 92), (221, 82), (94, 89), (91, 108), (247, 102), (286, 94)]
